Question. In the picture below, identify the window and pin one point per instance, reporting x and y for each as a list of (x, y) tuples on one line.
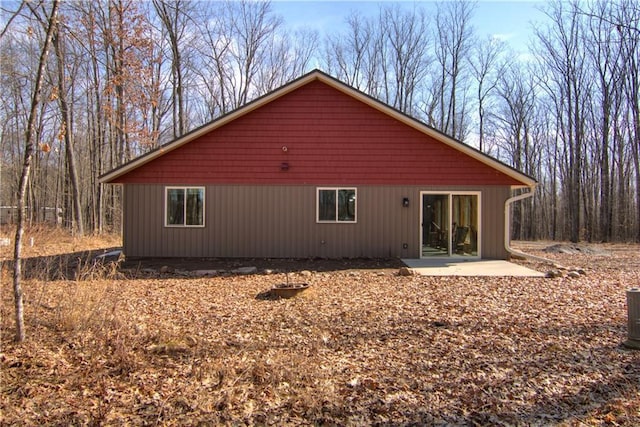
[(185, 207), (336, 205)]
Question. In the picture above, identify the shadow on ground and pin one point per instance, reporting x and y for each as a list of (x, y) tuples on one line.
[(81, 265), (86, 265), (280, 265)]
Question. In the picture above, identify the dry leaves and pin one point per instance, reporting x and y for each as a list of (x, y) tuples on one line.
[(357, 347)]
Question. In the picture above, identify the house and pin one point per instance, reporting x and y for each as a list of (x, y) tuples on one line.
[(315, 169)]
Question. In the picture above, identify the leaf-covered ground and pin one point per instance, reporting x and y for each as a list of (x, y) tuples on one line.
[(360, 346)]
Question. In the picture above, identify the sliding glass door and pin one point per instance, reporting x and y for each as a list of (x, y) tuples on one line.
[(450, 224)]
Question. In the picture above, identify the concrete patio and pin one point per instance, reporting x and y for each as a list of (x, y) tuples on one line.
[(470, 267)]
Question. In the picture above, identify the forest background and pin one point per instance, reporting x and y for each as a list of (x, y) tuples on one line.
[(125, 76)]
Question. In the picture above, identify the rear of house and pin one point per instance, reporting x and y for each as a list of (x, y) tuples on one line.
[(315, 169)]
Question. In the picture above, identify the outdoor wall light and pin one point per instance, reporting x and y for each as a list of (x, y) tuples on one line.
[(405, 202)]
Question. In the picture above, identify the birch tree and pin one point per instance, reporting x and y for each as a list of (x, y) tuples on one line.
[(30, 146)]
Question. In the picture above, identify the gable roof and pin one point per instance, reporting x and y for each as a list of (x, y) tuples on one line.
[(318, 75)]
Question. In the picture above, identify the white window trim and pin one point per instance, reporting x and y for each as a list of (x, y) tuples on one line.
[(336, 221), (185, 188)]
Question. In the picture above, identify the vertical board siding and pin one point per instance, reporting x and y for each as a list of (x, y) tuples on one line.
[(279, 221), (493, 199)]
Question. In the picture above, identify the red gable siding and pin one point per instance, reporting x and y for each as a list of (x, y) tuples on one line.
[(331, 139)]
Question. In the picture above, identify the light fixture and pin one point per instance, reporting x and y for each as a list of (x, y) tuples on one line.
[(405, 202)]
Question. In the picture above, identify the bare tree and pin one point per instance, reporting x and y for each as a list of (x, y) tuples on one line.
[(386, 56), (12, 15), (562, 57), (66, 128), (288, 57), (453, 37), (347, 53), (252, 27), (604, 53), (515, 121), (487, 69), (175, 17), (30, 144), (407, 41), (245, 52), (214, 68), (627, 22)]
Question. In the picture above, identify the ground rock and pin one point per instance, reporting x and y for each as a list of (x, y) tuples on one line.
[(305, 273), (405, 271), (206, 272), (245, 270), (575, 249), (552, 274)]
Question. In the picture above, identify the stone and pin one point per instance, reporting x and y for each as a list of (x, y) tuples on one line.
[(305, 273), (573, 274), (112, 254), (245, 270), (405, 271), (166, 269), (552, 274), (206, 272)]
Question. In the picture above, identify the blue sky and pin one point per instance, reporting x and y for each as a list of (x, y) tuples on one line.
[(510, 20)]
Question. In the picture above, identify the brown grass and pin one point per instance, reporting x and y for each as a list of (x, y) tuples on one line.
[(46, 241), (50, 253), (358, 347)]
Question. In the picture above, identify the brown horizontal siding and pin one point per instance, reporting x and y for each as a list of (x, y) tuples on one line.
[(279, 222)]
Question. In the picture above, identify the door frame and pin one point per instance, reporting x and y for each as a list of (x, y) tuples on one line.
[(450, 194)]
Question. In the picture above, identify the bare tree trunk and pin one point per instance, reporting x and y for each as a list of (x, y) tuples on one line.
[(175, 16), (68, 136), (30, 143)]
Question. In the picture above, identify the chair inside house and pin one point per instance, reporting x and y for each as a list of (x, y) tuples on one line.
[(459, 238)]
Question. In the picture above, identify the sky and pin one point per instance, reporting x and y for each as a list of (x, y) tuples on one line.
[(508, 19)]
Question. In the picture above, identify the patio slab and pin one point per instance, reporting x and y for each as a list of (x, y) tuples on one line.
[(475, 267)]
